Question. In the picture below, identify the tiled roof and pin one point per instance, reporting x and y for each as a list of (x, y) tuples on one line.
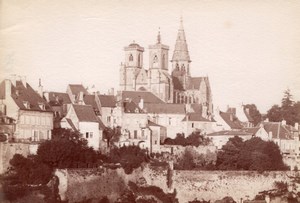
[(136, 96), (85, 113), (251, 130), (107, 100), (150, 123), (195, 117), (131, 107), (231, 120), (230, 133), (21, 94), (278, 131), (59, 98), (165, 108), (90, 100), (250, 119), (196, 81), (197, 108), (71, 124), (101, 124), (176, 83), (76, 89)]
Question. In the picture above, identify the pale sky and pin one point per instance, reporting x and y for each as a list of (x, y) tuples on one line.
[(249, 49)]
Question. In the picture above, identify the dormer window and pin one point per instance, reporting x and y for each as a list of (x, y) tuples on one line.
[(26, 104), (42, 106)]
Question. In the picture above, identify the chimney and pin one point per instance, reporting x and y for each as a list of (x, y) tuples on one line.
[(231, 117), (283, 122), (23, 79), (247, 110), (80, 99), (297, 126), (46, 94), (40, 88), (141, 103), (112, 91), (7, 88), (13, 79)]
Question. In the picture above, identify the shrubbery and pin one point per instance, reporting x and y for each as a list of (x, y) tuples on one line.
[(253, 154), (194, 139)]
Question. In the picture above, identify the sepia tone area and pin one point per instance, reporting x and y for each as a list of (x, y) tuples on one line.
[(161, 101)]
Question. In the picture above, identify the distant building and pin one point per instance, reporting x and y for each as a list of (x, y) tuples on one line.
[(33, 115), (177, 87), (222, 137)]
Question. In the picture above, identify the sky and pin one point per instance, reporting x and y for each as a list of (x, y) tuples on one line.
[(249, 49)]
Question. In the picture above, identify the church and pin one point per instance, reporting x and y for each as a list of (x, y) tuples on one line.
[(175, 87)]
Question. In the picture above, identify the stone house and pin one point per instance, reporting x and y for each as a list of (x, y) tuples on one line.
[(33, 115), (83, 119)]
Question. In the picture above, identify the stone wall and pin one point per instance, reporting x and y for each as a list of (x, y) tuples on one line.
[(8, 150), (214, 185), (78, 185)]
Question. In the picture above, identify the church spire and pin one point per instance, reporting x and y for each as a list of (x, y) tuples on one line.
[(181, 52), (158, 36)]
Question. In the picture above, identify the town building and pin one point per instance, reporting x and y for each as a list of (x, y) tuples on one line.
[(33, 115)]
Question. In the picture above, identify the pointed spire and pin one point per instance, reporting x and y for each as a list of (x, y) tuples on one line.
[(181, 52), (158, 36), (181, 23)]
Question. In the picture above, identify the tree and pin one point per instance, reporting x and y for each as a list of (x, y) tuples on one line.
[(253, 154), (111, 135), (194, 139), (186, 162), (66, 150), (289, 110), (254, 113), (130, 157)]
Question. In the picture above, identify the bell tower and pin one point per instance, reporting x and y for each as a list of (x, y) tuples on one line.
[(129, 69), (160, 82)]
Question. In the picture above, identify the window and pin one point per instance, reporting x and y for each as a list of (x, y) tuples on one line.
[(35, 135), (108, 119), (135, 134), (91, 134), (192, 125), (155, 142), (26, 104), (130, 57), (182, 67), (177, 66), (155, 59), (143, 133), (48, 134), (42, 106), (86, 135)]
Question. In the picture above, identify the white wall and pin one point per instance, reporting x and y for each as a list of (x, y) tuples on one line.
[(93, 139)]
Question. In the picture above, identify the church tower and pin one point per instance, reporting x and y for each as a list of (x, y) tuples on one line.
[(160, 82), (181, 61), (132, 65)]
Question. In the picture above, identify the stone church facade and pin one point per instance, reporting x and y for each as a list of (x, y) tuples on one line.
[(177, 87)]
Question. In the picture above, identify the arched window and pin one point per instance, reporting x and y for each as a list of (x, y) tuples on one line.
[(177, 66), (139, 60), (130, 57), (182, 67), (155, 59), (163, 61)]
